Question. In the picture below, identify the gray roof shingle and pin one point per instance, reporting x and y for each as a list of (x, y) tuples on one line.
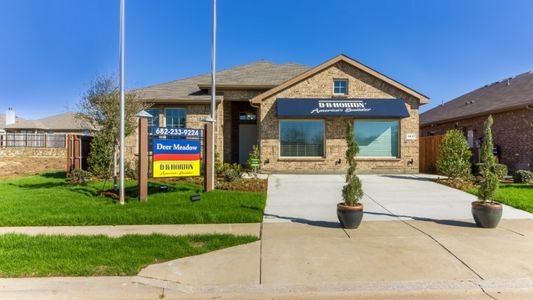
[(505, 94), (261, 73), (64, 121)]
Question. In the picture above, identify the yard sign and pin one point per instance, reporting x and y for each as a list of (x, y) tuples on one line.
[(176, 158)]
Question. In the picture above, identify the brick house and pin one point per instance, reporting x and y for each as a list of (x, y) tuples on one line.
[(297, 115), (509, 101), (45, 132)]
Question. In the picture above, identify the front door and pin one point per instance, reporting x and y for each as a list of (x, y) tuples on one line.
[(247, 139)]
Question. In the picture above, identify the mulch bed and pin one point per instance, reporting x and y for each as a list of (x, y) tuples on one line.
[(456, 183), (110, 194), (240, 185), (244, 185)]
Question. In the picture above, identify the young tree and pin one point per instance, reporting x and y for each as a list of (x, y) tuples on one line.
[(100, 106), (489, 182), (352, 190), (454, 155)]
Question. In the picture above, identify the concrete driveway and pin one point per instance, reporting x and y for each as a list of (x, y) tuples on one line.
[(312, 199)]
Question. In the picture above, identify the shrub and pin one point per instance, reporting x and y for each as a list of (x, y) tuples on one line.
[(500, 170), (219, 167), (523, 176), (131, 169), (78, 176), (101, 155), (454, 155), (352, 190), (232, 172), (489, 182)]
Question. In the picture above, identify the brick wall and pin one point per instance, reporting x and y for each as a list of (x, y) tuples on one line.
[(360, 85), (512, 132), (29, 161), (33, 152)]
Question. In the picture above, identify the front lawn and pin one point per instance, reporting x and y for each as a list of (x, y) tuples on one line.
[(517, 195), (48, 200), (58, 255)]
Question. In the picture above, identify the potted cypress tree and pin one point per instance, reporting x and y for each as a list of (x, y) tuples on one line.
[(350, 212), (485, 211)]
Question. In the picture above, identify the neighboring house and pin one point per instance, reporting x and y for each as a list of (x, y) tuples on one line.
[(297, 115), (6, 119), (509, 101), (61, 123), (46, 132)]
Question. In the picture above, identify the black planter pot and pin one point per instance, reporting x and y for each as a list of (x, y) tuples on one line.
[(350, 216), (487, 215)]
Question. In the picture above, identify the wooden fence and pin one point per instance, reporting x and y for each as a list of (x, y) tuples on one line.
[(78, 147), (33, 140), (429, 151)]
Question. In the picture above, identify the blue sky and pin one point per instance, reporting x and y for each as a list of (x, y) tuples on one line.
[(50, 50)]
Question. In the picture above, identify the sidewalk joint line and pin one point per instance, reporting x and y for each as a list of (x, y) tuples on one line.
[(346, 232), (512, 231), (428, 235), (483, 290)]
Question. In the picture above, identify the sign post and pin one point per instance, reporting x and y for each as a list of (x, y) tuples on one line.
[(143, 155), (209, 176)]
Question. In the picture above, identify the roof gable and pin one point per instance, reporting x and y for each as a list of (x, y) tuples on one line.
[(507, 94), (422, 98)]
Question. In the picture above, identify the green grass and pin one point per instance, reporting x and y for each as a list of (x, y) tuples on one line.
[(516, 195), (47, 200), (58, 255)]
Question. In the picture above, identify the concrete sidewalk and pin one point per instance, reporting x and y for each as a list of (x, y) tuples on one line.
[(113, 288), (421, 256), (380, 260), (120, 230)]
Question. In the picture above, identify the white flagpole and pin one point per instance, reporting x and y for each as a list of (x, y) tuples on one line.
[(213, 86), (121, 58)]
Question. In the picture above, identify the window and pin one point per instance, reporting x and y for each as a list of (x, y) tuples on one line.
[(377, 138), (301, 138), (248, 116), (175, 117), (340, 87)]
